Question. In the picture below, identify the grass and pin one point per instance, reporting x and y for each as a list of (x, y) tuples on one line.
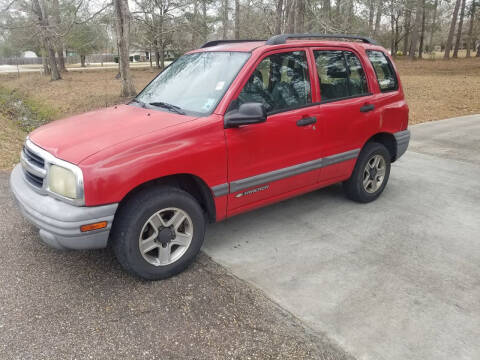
[(439, 89), (435, 89)]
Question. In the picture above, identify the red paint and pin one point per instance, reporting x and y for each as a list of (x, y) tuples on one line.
[(122, 147)]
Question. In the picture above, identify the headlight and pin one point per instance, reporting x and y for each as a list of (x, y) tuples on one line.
[(62, 182)]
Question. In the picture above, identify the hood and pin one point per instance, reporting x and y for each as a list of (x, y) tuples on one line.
[(75, 138)]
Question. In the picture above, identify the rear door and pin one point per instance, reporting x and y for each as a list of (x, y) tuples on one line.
[(281, 155), (346, 112)]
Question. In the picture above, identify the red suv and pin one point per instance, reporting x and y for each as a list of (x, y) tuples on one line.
[(224, 129)]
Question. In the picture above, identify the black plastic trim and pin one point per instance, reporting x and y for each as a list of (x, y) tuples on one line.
[(282, 39)]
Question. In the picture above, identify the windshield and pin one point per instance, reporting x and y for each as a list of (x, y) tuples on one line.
[(195, 82)]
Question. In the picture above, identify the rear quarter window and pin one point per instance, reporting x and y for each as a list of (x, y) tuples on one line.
[(387, 79)]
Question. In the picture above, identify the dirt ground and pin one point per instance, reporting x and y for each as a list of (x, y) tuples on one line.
[(435, 89)]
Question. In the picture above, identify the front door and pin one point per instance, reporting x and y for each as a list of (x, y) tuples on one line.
[(281, 155)]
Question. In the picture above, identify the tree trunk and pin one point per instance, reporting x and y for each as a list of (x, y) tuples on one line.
[(327, 9), (290, 11), (237, 19), (57, 21), (378, 18), (478, 50), (422, 32), (470, 29), (416, 29), (279, 17), (451, 32), (46, 69), (300, 20), (82, 61), (195, 25), (459, 31), (225, 19), (122, 26), (150, 56), (204, 22), (408, 19), (41, 12), (392, 31), (434, 24), (371, 15)]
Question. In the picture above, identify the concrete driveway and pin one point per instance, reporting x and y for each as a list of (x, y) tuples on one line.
[(395, 279)]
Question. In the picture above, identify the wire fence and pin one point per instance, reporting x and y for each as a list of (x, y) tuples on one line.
[(94, 58)]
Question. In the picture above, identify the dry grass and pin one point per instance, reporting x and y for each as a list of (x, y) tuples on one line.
[(78, 91), (440, 89), (11, 140), (434, 90)]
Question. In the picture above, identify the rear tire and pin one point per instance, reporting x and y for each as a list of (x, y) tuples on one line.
[(370, 175), (158, 232)]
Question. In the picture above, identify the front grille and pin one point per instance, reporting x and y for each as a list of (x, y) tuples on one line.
[(33, 165), (35, 180), (34, 158)]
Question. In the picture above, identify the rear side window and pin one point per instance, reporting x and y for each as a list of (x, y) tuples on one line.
[(387, 80), (340, 75)]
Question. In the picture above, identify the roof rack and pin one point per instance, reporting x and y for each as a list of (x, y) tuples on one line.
[(282, 39), (220, 42)]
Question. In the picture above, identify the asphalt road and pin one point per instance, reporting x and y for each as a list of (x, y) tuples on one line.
[(394, 279), (80, 305)]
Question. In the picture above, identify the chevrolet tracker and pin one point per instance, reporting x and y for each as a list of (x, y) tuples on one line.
[(224, 129)]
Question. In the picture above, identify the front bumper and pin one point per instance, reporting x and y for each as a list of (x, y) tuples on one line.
[(402, 140), (59, 222)]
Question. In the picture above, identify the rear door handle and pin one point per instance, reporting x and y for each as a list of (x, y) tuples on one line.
[(307, 121), (367, 107)]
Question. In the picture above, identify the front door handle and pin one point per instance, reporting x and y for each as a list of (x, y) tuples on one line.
[(307, 121), (367, 107)]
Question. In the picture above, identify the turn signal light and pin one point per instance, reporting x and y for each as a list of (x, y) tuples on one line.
[(95, 226)]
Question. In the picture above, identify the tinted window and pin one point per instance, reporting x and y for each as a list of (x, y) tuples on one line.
[(384, 70), (340, 74), (332, 74), (356, 76), (280, 82)]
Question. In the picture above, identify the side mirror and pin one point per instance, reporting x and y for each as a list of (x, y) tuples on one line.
[(246, 114)]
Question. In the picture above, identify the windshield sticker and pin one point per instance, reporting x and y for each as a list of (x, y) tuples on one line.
[(220, 85), (208, 104)]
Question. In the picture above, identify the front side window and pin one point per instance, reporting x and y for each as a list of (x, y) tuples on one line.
[(195, 82), (384, 71), (280, 82), (340, 74)]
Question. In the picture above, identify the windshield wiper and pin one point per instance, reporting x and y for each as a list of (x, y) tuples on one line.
[(142, 104), (168, 106)]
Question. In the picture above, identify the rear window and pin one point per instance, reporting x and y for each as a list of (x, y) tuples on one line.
[(387, 80)]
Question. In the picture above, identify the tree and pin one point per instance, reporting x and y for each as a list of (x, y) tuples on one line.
[(122, 26), (434, 24), (451, 32), (237, 19), (40, 11), (85, 39), (279, 17), (459, 31), (59, 41), (470, 28), (416, 29), (422, 31)]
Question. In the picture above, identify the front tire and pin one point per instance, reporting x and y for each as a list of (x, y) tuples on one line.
[(370, 175), (158, 232)]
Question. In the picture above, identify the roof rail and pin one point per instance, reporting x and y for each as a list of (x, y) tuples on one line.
[(282, 39), (220, 42)]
